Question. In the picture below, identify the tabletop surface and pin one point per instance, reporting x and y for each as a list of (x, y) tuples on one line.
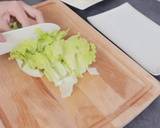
[(150, 118)]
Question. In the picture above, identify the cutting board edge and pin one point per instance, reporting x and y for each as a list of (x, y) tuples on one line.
[(136, 109), (133, 111)]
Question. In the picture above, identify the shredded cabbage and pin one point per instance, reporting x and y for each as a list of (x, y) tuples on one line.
[(61, 60)]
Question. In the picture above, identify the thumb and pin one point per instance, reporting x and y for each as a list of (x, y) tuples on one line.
[(4, 26), (2, 39)]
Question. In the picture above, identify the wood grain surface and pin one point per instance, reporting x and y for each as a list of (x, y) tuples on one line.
[(112, 99)]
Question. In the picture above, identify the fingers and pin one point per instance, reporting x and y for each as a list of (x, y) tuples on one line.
[(34, 13), (6, 17), (4, 20), (22, 9), (2, 39), (4, 26), (19, 13)]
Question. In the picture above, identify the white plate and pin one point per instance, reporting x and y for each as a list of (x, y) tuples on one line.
[(134, 33), (15, 37), (81, 4)]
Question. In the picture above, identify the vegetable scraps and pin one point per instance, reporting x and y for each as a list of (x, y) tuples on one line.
[(14, 24), (59, 59)]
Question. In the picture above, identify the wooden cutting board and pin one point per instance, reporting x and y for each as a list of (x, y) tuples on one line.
[(112, 99)]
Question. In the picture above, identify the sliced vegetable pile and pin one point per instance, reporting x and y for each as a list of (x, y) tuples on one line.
[(60, 60)]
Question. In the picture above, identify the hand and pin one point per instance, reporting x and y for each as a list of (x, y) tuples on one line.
[(21, 11)]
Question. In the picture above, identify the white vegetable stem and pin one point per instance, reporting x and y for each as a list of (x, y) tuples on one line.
[(26, 69), (93, 71), (66, 87)]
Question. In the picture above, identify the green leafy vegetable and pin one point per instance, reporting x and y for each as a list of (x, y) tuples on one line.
[(61, 60)]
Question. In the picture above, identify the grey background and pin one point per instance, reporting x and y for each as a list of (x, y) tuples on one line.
[(150, 118)]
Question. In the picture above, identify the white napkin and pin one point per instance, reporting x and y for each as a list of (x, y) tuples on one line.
[(81, 4), (134, 33)]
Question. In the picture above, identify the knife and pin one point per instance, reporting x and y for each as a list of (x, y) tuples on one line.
[(15, 37)]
